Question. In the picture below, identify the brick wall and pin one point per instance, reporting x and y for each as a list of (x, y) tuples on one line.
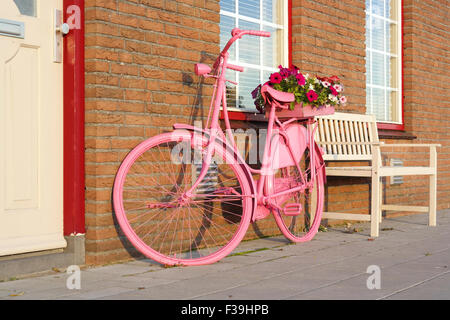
[(140, 57)]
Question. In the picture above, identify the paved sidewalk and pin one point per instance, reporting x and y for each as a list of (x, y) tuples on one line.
[(413, 258)]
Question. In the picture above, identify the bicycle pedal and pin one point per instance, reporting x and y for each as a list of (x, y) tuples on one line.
[(292, 209)]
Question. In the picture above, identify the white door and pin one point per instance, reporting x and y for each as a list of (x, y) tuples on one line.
[(31, 128)]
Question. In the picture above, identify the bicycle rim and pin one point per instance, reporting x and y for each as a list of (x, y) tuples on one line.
[(147, 191), (301, 221)]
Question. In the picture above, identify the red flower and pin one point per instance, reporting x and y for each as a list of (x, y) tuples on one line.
[(334, 79), (333, 91), (312, 95), (275, 78), (300, 79)]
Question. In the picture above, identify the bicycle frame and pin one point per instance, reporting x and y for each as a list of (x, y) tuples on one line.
[(214, 132)]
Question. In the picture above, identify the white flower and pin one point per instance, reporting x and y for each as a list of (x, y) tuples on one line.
[(343, 99), (316, 81), (326, 84), (307, 76), (332, 98), (311, 87)]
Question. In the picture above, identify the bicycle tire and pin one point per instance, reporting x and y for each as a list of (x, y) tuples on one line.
[(208, 214)]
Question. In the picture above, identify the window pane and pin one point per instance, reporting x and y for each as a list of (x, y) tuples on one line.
[(231, 89), (387, 36), (272, 48), (379, 105), (369, 101), (228, 5), (272, 11), (248, 81), (368, 29), (26, 7), (388, 72), (368, 69), (387, 9), (378, 7), (226, 25), (249, 48), (266, 76), (378, 77), (269, 10), (377, 34), (249, 8)]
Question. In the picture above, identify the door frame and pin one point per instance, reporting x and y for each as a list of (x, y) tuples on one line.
[(74, 106)]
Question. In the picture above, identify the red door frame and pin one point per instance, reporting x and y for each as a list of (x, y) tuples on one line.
[(74, 183)]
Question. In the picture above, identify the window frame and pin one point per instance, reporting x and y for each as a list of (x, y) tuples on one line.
[(399, 124), (235, 112)]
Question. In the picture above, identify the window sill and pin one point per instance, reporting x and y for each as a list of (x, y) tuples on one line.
[(244, 116), (258, 117), (395, 134)]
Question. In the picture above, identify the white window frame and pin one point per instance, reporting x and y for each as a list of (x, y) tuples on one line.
[(398, 56), (284, 54)]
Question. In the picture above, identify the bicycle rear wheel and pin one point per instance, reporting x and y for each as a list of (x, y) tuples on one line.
[(300, 212), (161, 221)]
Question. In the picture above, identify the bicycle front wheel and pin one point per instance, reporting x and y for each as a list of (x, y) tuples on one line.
[(165, 224), (300, 212)]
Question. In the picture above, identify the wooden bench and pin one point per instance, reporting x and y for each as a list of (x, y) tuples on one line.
[(354, 137)]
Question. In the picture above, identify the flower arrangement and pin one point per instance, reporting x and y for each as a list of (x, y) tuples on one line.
[(313, 91)]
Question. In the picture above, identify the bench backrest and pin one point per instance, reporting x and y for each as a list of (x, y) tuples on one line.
[(347, 136)]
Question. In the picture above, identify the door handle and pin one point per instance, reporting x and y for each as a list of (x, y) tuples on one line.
[(60, 30)]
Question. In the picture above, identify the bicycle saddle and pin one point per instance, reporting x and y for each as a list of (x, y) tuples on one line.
[(279, 98)]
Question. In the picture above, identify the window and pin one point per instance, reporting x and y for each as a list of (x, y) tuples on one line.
[(260, 56), (383, 60)]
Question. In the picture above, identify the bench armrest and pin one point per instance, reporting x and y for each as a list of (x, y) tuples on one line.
[(349, 143), (418, 145)]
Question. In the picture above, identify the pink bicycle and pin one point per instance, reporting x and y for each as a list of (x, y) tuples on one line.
[(187, 197)]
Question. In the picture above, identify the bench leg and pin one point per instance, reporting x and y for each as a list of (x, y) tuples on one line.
[(432, 212), (433, 178), (375, 206), (381, 200)]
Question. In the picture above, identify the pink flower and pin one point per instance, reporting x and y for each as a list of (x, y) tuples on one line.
[(300, 79), (312, 95), (294, 70), (326, 84), (275, 78), (338, 87), (343, 100), (333, 91)]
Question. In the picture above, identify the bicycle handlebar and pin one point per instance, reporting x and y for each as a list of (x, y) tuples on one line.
[(237, 33), (235, 68)]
